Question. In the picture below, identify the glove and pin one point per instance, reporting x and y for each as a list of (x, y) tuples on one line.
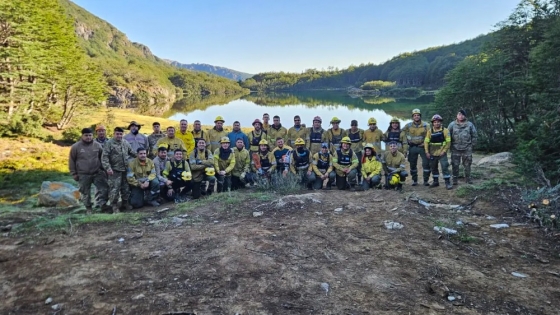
[(242, 175)]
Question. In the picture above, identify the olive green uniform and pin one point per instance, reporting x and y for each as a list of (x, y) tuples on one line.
[(115, 157), (415, 135)]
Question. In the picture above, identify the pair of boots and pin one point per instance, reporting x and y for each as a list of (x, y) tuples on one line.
[(435, 183), (125, 206), (468, 180)]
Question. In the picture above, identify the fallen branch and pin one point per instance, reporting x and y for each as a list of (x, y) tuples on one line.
[(114, 310)]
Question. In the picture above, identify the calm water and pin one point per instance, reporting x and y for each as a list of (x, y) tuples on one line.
[(326, 104)]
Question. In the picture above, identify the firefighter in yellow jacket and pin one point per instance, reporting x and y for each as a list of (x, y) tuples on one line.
[(141, 176), (436, 145), (323, 167), (333, 136), (345, 163), (373, 135), (216, 134), (297, 131), (415, 132), (224, 162), (371, 168), (202, 167)]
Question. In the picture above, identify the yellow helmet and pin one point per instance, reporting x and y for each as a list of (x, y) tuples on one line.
[(224, 140), (210, 171), (263, 142), (335, 120), (395, 180), (416, 111), (300, 141), (372, 121), (346, 140), (395, 119), (219, 118), (186, 175), (370, 146)]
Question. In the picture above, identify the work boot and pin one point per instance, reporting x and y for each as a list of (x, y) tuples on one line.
[(154, 203), (115, 209), (399, 187), (415, 183), (435, 183), (329, 186), (126, 205), (448, 184), (106, 208), (88, 210), (427, 184), (455, 180)]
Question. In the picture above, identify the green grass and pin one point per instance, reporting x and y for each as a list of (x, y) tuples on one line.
[(70, 221)]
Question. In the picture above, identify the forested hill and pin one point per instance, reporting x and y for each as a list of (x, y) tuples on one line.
[(130, 69), (425, 68), (221, 71)]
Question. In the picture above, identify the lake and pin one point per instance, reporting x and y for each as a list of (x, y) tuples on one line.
[(326, 104)]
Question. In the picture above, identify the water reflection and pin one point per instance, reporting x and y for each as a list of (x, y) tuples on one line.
[(326, 104)]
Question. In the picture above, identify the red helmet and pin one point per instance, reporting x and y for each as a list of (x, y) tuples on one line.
[(317, 118), (257, 121), (437, 117)]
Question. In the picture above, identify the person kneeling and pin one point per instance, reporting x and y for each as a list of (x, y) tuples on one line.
[(202, 167), (141, 176), (301, 164), (394, 164), (179, 173), (371, 168)]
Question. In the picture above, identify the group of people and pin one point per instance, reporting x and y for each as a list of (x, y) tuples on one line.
[(168, 165)]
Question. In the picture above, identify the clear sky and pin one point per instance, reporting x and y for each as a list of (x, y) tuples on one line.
[(289, 35)]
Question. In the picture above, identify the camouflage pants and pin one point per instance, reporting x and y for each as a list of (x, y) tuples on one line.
[(456, 157), (413, 153), (118, 186), (99, 181), (102, 196)]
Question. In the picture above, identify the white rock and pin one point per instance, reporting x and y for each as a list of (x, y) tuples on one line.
[(55, 307), (499, 226), (451, 298), (338, 210), (177, 221), (490, 218), (48, 300), (325, 287), (139, 296), (496, 159), (390, 225), (519, 275), (441, 229), (121, 240), (257, 214)]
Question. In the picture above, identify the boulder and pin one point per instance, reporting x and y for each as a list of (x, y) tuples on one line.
[(496, 159), (58, 194)]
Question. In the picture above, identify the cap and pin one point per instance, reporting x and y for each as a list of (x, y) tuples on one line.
[(99, 127), (86, 130)]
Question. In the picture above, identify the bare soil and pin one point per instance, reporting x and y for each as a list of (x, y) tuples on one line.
[(225, 261)]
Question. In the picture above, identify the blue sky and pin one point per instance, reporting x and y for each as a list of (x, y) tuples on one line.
[(258, 36)]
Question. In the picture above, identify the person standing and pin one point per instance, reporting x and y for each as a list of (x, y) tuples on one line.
[(334, 135), (314, 138), (224, 162), (265, 125), (101, 133), (142, 178), (415, 132), (436, 144), (356, 136), (277, 130), (198, 133), (216, 134), (153, 139), (394, 134), (85, 167), (171, 142), (202, 167), (255, 136), (135, 138), (297, 131), (238, 134), (463, 139), (114, 160), (186, 136), (374, 136)]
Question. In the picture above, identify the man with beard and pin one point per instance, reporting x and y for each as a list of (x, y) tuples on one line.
[(395, 134), (216, 134), (241, 172), (436, 144), (256, 136), (171, 142), (323, 167), (394, 164), (135, 138), (177, 170), (415, 133), (276, 130), (224, 162), (345, 163), (101, 133), (186, 136), (282, 156), (85, 167), (301, 164), (374, 136), (116, 153), (238, 134), (198, 133), (297, 131), (153, 139), (159, 162), (356, 136), (463, 139), (142, 178), (202, 167), (315, 136), (334, 135), (263, 163)]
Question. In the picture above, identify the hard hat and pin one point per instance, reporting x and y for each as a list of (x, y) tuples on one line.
[(394, 119), (300, 141), (372, 121), (395, 180), (335, 120), (186, 175), (346, 140), (99, 127), (219, 118), (224, 140), (317, 118), (416, 111), (370, 146), (163, 147), (437, 117), (210, 171), (257, 121), (263, 142)]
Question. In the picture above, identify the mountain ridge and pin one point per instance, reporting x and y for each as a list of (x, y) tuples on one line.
[(208, 68)]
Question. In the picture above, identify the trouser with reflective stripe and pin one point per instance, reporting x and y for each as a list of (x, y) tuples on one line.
[(413, 153), (444, 167)]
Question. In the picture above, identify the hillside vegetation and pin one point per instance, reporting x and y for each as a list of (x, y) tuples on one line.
[(220, 71), (425, 68)]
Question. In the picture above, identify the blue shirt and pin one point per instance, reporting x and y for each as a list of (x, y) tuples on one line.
[(234, 135)]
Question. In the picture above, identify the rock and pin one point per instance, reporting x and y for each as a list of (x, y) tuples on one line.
[(490, 218), (56, 307), (325, 287), (338, 210), (121, 240), (499, 226), (496, 159), (441, 229), (139, 296), (390, 225), (177, 221), (439, 288), (6, 228), (58, 194), (519, 275), (459, 223), (162, 210), (257, 214), (48, 301), (296, 200)]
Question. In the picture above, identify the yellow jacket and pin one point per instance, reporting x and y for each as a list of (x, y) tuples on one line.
[(339, 168), (330, 135), (403, 143), (205, 159), (255, 138), (268, 156), (394, 163), (214, 137), (432, 145), (137, 172), (415, 132), (325, 160), (200, 135), (371, 167), (224, 165), (188, 140), (374, 137), (242, 162), (172, 144), (293, 134), (357, 139), (274, 133)]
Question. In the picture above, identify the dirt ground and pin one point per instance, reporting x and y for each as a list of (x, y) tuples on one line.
[(325, 252)]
